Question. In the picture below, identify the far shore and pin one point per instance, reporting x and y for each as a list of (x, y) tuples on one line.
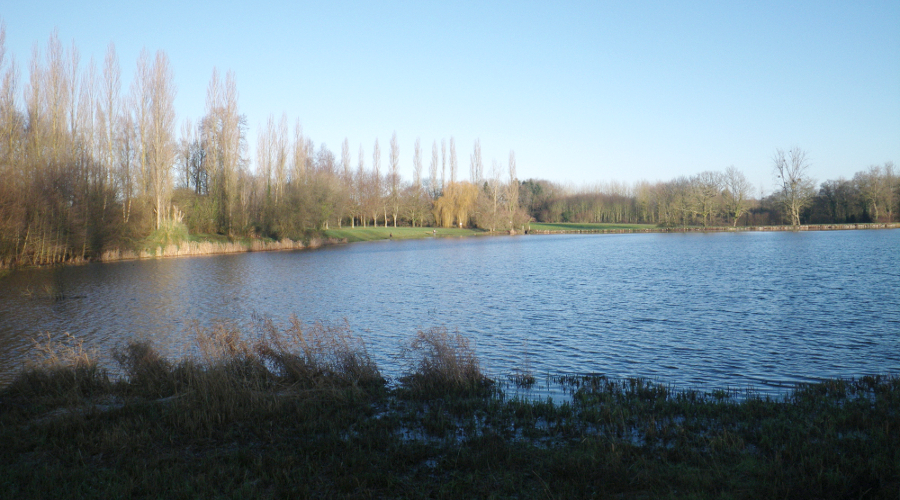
[(567, 228), (360, 234)]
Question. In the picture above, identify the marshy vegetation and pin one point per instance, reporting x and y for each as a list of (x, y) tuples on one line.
[(301, 410)]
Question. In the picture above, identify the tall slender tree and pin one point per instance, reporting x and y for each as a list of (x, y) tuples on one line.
[(394, 179), (161, 143)]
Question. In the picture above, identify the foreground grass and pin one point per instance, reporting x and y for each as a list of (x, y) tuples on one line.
[(302, 412), (571, 226), (397, 233)]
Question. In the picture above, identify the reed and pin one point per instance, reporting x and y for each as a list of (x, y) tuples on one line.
[(146, 372), (439, 362), (318, 355), (60, 371)]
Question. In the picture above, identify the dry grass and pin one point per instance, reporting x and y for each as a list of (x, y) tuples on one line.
[(190, 248), (440, 362), (318, 354), (234, 372), (60, 371), (145, 369)]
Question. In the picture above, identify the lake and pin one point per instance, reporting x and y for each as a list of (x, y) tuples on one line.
[(760, 310)]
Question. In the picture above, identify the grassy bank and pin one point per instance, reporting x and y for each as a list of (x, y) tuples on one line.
[(301, 411), (571, 226), (397, 233)]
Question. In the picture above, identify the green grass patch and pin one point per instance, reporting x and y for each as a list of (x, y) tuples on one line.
[(169, 233), (397, 233), (571, 226), (300, 411)]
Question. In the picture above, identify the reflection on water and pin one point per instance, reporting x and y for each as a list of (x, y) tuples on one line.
[(702, 310)]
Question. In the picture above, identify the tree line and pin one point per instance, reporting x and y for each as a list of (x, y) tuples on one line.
[(714, 198), (87, 165)]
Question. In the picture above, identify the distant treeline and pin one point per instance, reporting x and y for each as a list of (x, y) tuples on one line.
[(716, 199), (87, 168)]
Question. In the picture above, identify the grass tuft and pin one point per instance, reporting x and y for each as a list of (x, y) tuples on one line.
[(145, 369), (442, 363), (318, 355), (61, 371)]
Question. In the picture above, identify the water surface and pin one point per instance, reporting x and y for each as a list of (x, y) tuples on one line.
[(735, 310)]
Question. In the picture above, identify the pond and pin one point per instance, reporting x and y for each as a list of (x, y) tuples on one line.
[(759, 310)]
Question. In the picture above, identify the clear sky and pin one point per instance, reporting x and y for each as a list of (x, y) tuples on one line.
[(584, 92)]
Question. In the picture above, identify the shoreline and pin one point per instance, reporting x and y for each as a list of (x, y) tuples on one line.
[(189, 249), (201, 248), (726, 229)]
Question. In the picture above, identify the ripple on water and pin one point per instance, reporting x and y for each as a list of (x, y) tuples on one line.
[(756, 310)]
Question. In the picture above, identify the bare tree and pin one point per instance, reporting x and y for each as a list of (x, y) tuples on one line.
[(140, 104), (57, 93), (265, 159), (890, 178), (375, 198), (360, 186), (475, 164), (873, 187), (279, 147), (186, 154), (345, 160), (491, 207), (705, 187), (161, 142), (417, 163), (453, 159), (232, 146), (797, 188), (433, 172), (414, 201), (300, 156), (512, 191), (394, 179), (736, 193), (443, 163), (110, 108)]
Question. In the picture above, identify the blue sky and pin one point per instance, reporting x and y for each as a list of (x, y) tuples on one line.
[(584, 92)]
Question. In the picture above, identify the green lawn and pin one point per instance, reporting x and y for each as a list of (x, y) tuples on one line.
[(571, 226), (397, 233)]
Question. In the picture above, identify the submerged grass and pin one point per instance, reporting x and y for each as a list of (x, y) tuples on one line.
[(300, 410)]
